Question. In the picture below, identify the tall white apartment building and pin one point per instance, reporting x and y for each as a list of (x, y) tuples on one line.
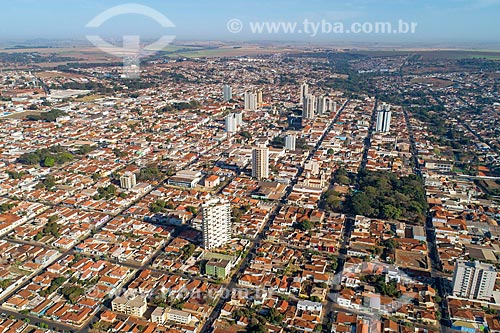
[(474, 280), (227, 93), (290, 142), (384, 118), (216, 223), (304, 91), (250, 100), (309, 107), (128, 180), (231, 123)]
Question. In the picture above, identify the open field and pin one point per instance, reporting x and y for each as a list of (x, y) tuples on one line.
[(435, 82), (57, 74), (21, 115), (89, 98), (231, 51), (94, 55), (435, 54)]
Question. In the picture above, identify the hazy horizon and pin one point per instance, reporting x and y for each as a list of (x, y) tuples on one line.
[(450, 22)]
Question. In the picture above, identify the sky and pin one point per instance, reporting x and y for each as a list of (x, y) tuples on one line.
[(438, 21)]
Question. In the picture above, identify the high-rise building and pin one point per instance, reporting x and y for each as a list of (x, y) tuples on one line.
[(227, 93), (239, 118), (321, 105), (260, 162), (231, 123), (250, 101), (128, 180), (290, 142), (309, 107), (304, 91), (259, 98), (330, 105), (474, 280), (383, 118), (216, 223)]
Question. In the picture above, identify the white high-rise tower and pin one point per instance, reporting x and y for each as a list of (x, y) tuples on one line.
[(384, 118), (290, 142), (250, 101), (216, 223), (304, 91), (309, 107), (231, 123), (474, 280), (227, 93)]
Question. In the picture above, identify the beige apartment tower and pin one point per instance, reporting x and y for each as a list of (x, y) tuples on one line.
[(260, 162)]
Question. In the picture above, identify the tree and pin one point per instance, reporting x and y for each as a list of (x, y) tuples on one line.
[(85, 149), (118, 153), (306, 225), (15, 174), (274, 316), (105, 193), (72, 293), (343, 180), (49, 182), (5, 207), (53, 218), (391, 244), (361, 204), (391, 212), (331, 201), (49, 162), (246, 134), (50, 116), (150, 172)]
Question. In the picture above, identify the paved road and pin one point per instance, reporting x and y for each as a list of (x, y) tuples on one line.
[(439, 278), (368, 139), (331, 305)]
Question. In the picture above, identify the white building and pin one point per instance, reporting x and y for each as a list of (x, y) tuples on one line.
[(227, 93), (309, 107), (250, 100), (162, 315), (130, 305), (216, 223), (260, 162), (321, 104), (474, 280), (383, 118), (290, 142), (128, 180), (304, 91), (233, 122), (305, 305)]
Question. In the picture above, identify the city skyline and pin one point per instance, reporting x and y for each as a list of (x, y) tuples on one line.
[(250, 167)]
